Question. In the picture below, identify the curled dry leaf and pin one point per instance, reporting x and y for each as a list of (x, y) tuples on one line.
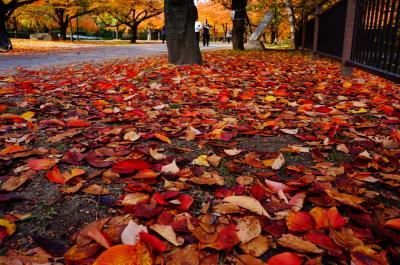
[(189, 255), (278, 162), (248, 203), (154, 152), (130, 235), (131, 136), (214, 160), (168, 233), (95, 189), (232, 152), (290, 131), (208, 178), (248, 259), (257, 246), (14, 183), (171, 168), (135, 198), (298, 244), (248, 228)]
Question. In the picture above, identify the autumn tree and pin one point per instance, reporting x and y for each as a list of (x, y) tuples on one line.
[(130, 13), (239, 19), (180, 17), (7, 8), (63, 11)]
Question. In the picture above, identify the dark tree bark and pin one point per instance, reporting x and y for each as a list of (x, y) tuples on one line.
[(5, 43), (239, 6), (134, 28), (180, 17)]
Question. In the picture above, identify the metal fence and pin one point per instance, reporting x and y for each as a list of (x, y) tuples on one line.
[(375, 42)]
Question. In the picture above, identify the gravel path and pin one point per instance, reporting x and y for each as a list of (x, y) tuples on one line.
[(83, 54)]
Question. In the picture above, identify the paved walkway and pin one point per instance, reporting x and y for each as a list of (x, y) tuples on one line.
[(85, 54)]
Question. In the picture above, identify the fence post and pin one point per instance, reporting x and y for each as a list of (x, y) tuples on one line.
[(348, 37), (316, 29)]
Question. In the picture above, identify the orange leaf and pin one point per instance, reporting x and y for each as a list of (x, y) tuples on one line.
[(300, 221), (393, 223), (285, 258), (55, 176), (145, 174), (11, 149), (162, 138), (137, 254), (41, 164), (76, 253)]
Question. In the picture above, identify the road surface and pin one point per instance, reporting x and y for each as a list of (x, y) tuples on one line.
[(84, 54)]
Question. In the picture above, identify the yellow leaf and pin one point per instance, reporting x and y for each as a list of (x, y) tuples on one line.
[(10, 226), (347, 85), (162, 138), (201, 161), (361, 110), (28, 115), (270, 98)]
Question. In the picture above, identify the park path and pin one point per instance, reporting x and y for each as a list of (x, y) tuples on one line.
[(84, 54)]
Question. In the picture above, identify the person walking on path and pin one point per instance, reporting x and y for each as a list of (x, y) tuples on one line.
[(163, 34), (206, 33), (197, 28)]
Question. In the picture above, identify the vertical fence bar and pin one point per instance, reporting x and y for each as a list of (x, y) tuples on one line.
[(369, 30), (357, 31), (379, 33), (303, 35), (348, 37), (316, 30), (393, 38), (388, 23)]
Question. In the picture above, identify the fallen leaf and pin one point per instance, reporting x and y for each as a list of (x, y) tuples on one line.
[(168, 233), (130, 235), (171, 168), (248, 228), (248, 203), (298, 244), (137, 254), (285, 258)]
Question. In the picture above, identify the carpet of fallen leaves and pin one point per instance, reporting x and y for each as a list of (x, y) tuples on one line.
[(254, 158)]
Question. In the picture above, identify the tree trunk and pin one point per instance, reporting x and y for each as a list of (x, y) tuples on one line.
[(180, 17), (292, 24), (5, 43), (63, 30), (134, 33), (239, 6)]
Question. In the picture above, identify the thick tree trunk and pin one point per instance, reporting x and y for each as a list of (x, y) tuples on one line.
[(63, 30), (180, 17), (239, 6), (5, 43), (134, 28)]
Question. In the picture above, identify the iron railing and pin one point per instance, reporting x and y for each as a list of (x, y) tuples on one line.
[(375, 40)]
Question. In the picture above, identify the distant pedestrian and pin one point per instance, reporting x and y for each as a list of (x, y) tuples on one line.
[(206, 33), (197, 28), (229, 36), (163, 34)]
